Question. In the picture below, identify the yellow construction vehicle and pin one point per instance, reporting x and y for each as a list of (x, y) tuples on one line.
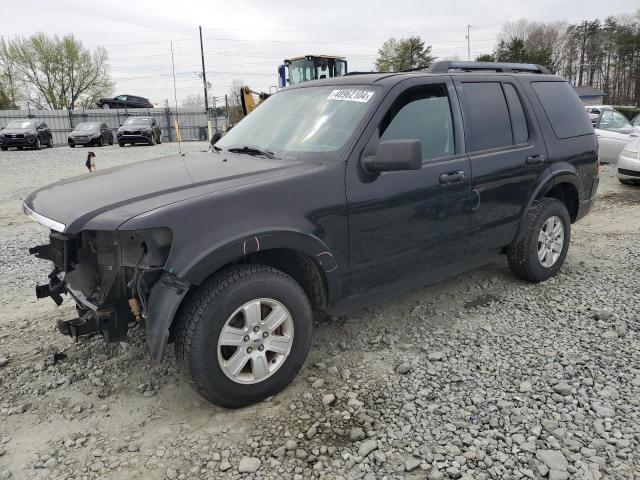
[(297, 70)]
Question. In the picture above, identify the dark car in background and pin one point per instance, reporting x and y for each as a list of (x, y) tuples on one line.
[(139, 130), (90, 133), (29, 133), (124, 101)]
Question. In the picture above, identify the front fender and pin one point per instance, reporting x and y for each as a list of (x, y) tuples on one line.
[(196, 268)]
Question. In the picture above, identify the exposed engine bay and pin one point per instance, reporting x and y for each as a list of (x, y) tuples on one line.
[(109, 275)]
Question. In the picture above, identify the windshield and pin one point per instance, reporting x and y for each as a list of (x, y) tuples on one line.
[(301, 71), (312, 119), (137, 121), (20, 124), (86, 126)]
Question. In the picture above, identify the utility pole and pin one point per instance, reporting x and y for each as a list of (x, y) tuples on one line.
[(468, 43), (204, 74)]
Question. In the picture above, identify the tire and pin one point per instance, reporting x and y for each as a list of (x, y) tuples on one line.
[(159, 138), (106, 106), (101, 142), (72, 145), (152, 139), (4, 149), (121, 144), (628, 182), (36, 146), (523, 256), (212, 306)]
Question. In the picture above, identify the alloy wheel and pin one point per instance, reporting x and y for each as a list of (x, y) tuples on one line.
[(255, 341)]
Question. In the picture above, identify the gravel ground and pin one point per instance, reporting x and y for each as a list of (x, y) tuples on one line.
[(478, 377)]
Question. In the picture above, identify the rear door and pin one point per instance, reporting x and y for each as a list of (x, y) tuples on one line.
[(614, 131), (507, 154)]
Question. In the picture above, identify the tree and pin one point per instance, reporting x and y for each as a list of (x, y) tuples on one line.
[(404, 54), (194, 101), (234, 102), (59, 73), (486, 57), (9, 91)]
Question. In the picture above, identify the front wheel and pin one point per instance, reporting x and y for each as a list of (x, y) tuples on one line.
[(36, 146), (4, 149), (121, 144), (543, 247), (243, 335)]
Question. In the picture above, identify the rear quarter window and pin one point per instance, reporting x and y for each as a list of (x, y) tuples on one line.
[(563, 108)]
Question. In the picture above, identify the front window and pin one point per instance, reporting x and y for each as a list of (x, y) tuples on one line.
[(137, 121), (301, 71), (21, 124), (312, 119)]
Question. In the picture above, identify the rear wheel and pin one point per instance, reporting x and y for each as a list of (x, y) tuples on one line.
[(4, 149), (72, 145), (545, 241), (243, 335), (121, 144)]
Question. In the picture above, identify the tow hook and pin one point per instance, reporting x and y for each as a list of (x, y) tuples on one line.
[(53, 289)]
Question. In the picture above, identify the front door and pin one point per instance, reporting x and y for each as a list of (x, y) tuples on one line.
[(507, 154), (410, 222)]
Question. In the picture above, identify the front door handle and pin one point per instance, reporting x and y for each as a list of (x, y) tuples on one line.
[(451, 177), (535, 159)]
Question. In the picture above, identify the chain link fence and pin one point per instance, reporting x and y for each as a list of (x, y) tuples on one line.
[(192, 123)]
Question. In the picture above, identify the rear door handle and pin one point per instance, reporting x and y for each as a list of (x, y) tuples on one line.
[(451, 177), (535, 159)]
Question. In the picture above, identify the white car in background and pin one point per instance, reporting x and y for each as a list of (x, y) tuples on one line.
[(629, 163), (614, 132)]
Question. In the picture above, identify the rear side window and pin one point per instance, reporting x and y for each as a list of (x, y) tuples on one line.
[(518, 119), (563, 108), (488, 116)]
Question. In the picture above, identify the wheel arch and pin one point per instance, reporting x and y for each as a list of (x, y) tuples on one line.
[(563, 185)]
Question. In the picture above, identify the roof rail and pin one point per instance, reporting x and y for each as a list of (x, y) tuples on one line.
[(446, 66)]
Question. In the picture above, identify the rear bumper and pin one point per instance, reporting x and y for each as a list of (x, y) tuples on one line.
[(586, 205)]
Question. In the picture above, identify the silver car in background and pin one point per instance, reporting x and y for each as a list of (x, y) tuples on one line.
[(629, 163), (614, 132)]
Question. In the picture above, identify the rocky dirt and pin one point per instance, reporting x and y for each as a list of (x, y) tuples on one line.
[(478, 377)]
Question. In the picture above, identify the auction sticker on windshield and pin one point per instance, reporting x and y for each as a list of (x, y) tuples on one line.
[(351, 95)]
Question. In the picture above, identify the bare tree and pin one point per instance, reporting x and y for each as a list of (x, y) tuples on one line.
[(59, 72), (234, 99), (10, 93), (194, 101)]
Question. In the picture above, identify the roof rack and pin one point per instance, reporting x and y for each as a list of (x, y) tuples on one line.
[(447, 66)]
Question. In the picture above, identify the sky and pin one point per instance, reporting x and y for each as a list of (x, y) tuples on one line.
[(246, 40)]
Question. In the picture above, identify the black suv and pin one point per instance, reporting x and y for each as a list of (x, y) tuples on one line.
[(331, 195), (139, 130), (27, 133), (124, 101)]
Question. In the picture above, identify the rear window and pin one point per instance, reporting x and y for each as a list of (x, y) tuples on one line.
[(563, 108), (488, 116)]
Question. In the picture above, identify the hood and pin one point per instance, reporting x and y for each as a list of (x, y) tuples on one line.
[(14, 131), (135, 126), (120, 193), (83, 133)]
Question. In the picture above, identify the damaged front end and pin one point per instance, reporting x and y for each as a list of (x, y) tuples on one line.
[(115, 278)]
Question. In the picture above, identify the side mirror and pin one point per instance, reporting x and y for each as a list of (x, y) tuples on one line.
[(393, 156)]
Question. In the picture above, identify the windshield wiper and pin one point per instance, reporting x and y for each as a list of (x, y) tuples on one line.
[(251, 151)]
